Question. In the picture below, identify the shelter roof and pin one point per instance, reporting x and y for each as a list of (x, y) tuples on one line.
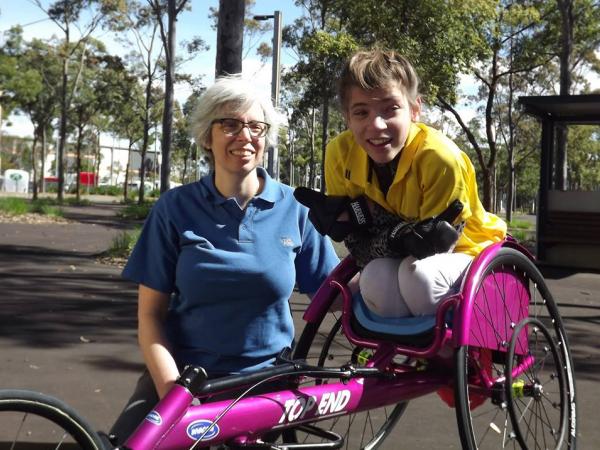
[(564, 108)]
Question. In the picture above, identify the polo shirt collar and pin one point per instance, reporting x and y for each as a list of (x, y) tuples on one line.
[(271, 189)]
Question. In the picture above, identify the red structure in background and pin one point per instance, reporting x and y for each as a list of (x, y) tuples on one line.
[(85, 179)]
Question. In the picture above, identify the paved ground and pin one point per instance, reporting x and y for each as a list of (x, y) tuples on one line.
[(67, 328)]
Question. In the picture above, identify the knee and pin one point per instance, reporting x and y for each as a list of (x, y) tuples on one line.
[(417, 284), (379, 288)]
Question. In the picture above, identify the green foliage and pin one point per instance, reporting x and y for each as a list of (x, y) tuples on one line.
[(136, 211), (73, 201), (519, 224), (583, 154), (123, 244), (16, 206), (107, 190), (519, 235)]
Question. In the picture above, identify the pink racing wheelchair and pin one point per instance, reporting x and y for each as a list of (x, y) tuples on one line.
[(496, 351)]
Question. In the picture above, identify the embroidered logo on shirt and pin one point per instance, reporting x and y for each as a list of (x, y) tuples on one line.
[(287, 242)]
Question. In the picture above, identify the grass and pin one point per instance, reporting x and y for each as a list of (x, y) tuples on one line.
[(519, 224), (134, 211), (123, 244), (15, 206)]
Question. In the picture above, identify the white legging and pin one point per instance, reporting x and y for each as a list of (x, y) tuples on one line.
[(409, 286)]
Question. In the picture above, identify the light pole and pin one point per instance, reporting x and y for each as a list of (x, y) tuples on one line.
[(272, 152)]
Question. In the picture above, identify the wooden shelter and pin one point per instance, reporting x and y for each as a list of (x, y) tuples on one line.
[(568, 222)]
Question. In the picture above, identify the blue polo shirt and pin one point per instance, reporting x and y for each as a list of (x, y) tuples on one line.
[(230, 271)]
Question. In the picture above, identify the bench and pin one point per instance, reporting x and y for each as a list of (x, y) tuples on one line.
[(569, 227)]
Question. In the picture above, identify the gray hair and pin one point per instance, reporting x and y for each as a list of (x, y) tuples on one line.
[(233, 94)]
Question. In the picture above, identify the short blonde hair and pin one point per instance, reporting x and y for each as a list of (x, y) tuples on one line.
[(230, 93), (375, 69)]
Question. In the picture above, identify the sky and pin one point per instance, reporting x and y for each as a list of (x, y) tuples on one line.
[(190, 24)]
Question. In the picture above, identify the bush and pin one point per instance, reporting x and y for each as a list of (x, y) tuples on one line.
[(133, 211), (72, 201), (520, 224), (123, 244), (519, 235), (19, 206), (107, 190), (46, 207), (14, 206)]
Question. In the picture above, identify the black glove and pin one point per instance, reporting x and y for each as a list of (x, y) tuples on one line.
[(427, 237), (325, 210)]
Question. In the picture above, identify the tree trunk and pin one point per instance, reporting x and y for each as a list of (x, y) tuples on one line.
[(34, 166), (311, 175), (230, 35), (78, 165), (63, 124), (125, 186), (473, 141), (146, 133), (43, 158), (566, 48), (324, 136), (167, 125)]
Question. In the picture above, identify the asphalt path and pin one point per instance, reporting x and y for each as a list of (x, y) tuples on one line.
[(68, 328)]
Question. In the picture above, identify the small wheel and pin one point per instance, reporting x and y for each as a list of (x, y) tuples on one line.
[(510, 289), (536, 387), (325, 345), (33, 420)]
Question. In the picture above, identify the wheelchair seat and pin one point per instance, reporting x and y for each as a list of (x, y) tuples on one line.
[(415, 331)]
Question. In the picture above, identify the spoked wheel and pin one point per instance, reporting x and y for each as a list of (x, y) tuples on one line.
[(33, 421), (510, 290), (537, 393), (325, 345)]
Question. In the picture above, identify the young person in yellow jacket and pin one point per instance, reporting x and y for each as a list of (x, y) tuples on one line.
[(401, 195)]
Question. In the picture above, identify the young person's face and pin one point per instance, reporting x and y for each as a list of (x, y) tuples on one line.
[(380, 120), (238, 153)]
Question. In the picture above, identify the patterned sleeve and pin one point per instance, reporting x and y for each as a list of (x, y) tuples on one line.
[(372, 243)]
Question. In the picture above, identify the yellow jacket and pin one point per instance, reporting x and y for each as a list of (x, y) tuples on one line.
[(432, 172)]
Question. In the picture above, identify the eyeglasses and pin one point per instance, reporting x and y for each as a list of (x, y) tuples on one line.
[(232, 127)]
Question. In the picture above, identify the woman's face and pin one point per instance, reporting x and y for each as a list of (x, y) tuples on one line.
[(238, 153), (380, 120)]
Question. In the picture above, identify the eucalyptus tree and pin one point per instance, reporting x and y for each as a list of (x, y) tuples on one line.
[(230, 37), (128, 116), (140, 33), (577, 32), (97, 96), (66, 15), (33, 89), (252, 31), (168, 32), (322, 45)]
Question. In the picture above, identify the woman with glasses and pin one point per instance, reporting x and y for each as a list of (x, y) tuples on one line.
[(217, 259)]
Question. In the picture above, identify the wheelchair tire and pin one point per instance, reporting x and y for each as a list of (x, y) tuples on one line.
[(483, 415), (33, 420), (537, 395), (324, 345)]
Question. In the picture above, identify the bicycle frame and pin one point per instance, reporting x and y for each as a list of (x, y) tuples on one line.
[(176, 424)]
